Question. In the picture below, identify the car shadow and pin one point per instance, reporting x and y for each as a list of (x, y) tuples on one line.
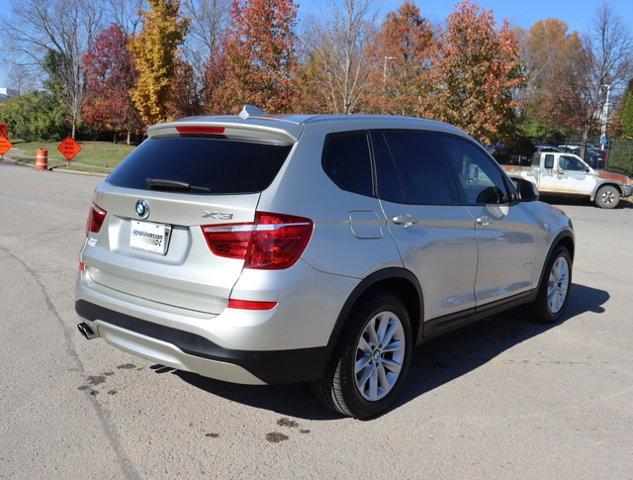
[(581, 202), (434, 363)]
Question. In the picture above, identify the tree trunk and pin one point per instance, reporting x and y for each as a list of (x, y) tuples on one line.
[(73, 130), (585, 140), (129, 135)]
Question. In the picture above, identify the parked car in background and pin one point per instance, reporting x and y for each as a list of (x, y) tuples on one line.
[(546, 148), (273, 249), (557, 173), (593, 155)]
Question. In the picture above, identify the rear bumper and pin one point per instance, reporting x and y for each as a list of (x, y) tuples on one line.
[(190, 352)]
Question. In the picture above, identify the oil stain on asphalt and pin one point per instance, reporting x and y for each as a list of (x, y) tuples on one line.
[(276, 437), (126, 366), (286, 422), (96, 379)]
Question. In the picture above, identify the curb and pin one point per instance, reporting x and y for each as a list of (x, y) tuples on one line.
[(78, 172), (55, 169)]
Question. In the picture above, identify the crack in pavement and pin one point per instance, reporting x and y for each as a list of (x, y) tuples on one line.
[(103, 415)]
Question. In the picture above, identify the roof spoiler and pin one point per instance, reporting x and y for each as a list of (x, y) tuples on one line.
[(252, 124)]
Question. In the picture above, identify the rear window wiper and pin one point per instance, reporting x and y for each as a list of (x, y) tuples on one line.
[(166, 184)]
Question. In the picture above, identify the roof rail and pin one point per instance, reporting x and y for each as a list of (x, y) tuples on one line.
[(252, 111)]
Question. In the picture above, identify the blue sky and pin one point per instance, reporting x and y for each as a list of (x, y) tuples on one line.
[(577, 13)]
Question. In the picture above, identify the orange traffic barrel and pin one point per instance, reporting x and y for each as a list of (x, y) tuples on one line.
[(41, 160)]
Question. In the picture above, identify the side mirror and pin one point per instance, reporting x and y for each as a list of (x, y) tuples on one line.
[(526, 189), (490, 196)]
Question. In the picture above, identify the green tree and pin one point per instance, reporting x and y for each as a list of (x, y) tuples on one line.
[(626, 115), (154, 50), (37, 115)]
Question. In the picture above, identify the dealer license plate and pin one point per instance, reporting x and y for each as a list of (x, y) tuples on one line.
[(150, 237)]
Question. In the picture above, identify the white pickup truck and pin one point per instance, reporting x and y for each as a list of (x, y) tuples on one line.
[(565, 174)]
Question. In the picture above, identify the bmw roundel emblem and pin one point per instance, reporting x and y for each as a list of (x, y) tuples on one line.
[(142, 209)]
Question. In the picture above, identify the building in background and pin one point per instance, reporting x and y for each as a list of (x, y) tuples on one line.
[(6, 92)]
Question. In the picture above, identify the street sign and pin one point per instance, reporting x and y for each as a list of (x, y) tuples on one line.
[(5, 145), (69, 148), (4, 130)]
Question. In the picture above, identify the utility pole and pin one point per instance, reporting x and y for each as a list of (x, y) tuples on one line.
[(605, 118), (384, 78)]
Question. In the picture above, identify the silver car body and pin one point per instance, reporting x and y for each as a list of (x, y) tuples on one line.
[(462, 257)]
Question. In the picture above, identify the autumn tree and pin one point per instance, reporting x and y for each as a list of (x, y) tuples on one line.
[(403, 48), (335, 77), (154, 50), (214, 78), (548, 51), (184, 100), (476, 69), (110, 76), (259, 62)]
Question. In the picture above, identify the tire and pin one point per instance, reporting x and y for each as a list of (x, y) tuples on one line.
[(607, 196), (543, 310), (338, 389)]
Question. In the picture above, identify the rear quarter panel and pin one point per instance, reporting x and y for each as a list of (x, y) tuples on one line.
[(303, 188)]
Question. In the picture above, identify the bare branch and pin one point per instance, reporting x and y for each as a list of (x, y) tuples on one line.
[(208, 21), (339, 47)]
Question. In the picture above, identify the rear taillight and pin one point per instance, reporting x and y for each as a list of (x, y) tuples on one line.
[(96, 216), (273, 241), (251, 304)]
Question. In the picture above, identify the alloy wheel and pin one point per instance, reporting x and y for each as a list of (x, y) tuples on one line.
[(558, 285), (380, 355)]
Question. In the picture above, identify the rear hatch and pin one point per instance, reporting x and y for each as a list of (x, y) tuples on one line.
[(184, 176)]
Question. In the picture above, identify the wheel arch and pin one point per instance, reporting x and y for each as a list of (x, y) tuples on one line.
[(604, 184), (399, 281), (565, 238)]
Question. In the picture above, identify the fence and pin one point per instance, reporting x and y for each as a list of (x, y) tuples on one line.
[(621, 157)]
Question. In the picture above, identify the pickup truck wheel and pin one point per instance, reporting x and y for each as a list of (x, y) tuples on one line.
[(370, 363), (607, 197), (553, 292)]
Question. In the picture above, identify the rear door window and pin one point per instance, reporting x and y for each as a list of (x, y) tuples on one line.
[(220, 165), (410, 168), (347, 162)]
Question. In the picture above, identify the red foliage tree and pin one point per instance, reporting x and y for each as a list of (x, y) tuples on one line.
[(476, 71), (259, 64), (184, 100), (402, 48), (110, 75)]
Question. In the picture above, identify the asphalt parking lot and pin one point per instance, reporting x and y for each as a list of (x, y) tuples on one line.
[(504, 398)]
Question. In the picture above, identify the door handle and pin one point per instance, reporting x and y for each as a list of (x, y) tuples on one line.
[(484, 221), (404, 220)]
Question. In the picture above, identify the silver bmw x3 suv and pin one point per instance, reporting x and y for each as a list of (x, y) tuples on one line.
[(270, 249)]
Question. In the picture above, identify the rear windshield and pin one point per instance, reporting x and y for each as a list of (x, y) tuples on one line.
[(219, 165)]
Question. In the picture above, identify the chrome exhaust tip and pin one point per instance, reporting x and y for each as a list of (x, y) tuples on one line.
[(86, 331)]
